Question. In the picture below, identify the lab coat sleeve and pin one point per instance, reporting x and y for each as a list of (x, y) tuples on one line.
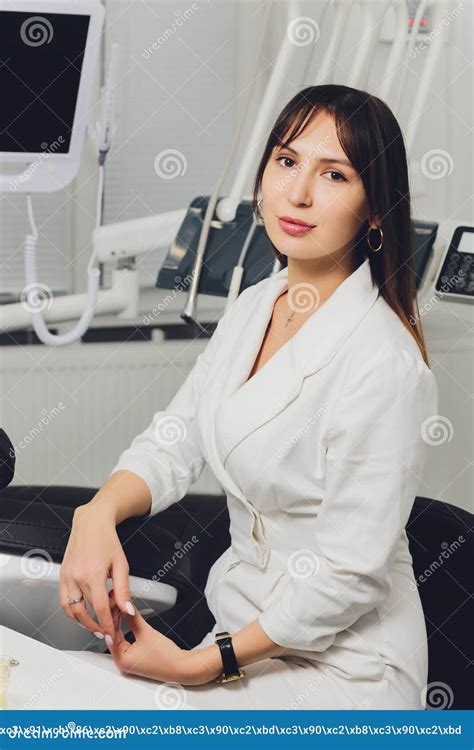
[(376, 449), (167, 455)]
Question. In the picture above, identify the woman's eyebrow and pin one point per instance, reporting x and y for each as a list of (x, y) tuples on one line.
[(325, 159)]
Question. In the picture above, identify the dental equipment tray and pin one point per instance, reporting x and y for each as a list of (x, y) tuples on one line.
[(224, 245)]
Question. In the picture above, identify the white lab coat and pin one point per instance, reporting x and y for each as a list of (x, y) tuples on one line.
[(320, 455)]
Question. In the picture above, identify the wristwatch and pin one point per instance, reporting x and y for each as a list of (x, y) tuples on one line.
[(232, 670)]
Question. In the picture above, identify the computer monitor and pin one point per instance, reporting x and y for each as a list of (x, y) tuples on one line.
[(48, 56)]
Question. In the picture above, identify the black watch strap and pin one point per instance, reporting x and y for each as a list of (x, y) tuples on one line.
[(232, 670)]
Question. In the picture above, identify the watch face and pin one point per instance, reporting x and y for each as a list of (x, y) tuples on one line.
[(221, 637), (231, 677)]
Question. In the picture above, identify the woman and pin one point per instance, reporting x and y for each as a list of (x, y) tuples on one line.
[(310, 404)]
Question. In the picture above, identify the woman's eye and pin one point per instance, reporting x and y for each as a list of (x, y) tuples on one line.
[(287, 158), (338, 174)]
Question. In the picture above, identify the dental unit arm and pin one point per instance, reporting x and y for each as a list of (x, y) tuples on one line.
[(104, 135), (36, 42)]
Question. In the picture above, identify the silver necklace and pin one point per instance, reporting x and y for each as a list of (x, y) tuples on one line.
[(289, 316)]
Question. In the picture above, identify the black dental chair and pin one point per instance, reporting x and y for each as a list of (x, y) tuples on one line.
[(41, 517)]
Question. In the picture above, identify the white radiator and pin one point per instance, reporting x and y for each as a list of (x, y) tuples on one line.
[(71, 411)]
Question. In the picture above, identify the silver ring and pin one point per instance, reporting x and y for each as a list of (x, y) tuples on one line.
[(75, 599)]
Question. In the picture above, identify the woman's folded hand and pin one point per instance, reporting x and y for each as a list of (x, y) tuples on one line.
[(94, 554), (153, 654)]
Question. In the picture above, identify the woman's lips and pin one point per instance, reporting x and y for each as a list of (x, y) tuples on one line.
[(294, 229)]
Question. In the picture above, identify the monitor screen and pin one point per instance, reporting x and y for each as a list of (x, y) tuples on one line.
[(466, 245), (41, 59)]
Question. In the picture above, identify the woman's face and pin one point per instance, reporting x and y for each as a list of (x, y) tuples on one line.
[(311, 186)]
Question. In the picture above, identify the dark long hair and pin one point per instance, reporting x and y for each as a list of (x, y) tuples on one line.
[(373, 142)]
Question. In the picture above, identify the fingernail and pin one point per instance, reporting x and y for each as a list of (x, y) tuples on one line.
[(109, 640), (99, 635), (82, 626), (129, 608)]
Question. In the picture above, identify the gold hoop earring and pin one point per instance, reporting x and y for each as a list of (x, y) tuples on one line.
[(375, 249), (259, 215)]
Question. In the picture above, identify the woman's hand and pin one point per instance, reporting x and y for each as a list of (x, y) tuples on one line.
[(93, 554), (153, 655)]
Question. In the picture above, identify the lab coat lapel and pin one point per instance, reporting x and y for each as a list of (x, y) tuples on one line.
[(249, 335), (238, 356), (253, 403)]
